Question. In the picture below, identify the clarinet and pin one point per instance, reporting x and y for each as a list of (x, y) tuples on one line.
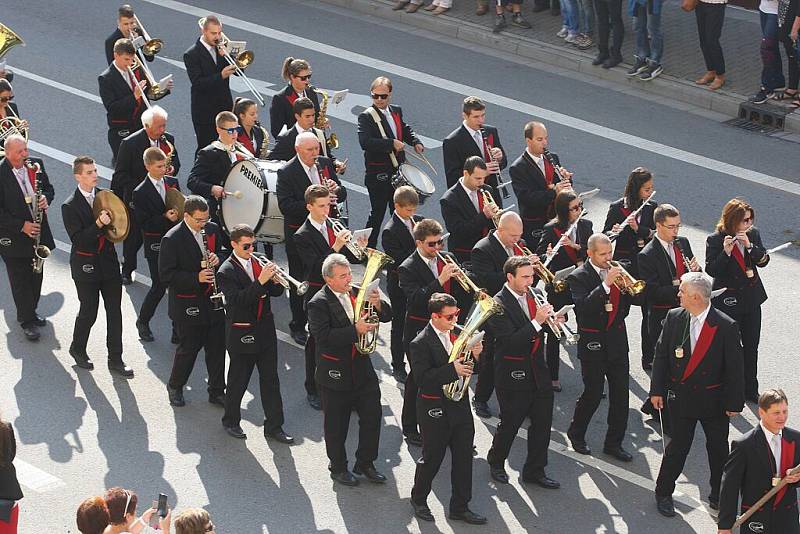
[(501, 185), (683, 255), (217, 298), (40, 252), (335, 211), (549, 157)]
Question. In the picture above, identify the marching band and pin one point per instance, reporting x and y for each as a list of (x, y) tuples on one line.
[(476, 309)]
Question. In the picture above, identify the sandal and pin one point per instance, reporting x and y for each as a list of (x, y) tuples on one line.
[(795, 104), (786, 95)]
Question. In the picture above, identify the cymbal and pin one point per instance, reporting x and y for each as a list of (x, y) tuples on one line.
[(174, 200), (117, 231)]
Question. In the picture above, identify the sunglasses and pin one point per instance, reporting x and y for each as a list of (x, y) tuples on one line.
[(247, 246), (450, 316), (6, 98), (432, 244), (210, 527), (304, 78), (376, 96), (231, 131)]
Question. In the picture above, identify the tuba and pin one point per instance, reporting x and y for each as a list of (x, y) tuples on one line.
[(376, 261), (40, 252), (332, 141), (485, 307)]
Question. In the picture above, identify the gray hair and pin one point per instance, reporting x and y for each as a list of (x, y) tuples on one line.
[(597, 239), (14, 138), (333, 260), (305, 136), (151, 113), (700, 282)]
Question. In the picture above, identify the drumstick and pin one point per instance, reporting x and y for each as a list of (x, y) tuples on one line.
[(234, 194)]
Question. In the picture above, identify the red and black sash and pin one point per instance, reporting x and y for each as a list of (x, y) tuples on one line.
[(439, 267), (701, 347), (398, 124), (571, 252)]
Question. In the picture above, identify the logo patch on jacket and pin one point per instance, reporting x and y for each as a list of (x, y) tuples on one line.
[(88, 268), (248, 339), (155, 247), (756, 526), (193, 311), (594, 345), (6, 242), (731, 301), (517, 375), (336, 375), (436, 413)]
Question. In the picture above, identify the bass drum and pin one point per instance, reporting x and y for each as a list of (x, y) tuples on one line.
[(408, 174), (257, 204)]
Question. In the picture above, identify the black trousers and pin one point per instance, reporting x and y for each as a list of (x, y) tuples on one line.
[(710, 18), (380, 199), (750, 331), (115, 137), (438, 435), (337, 406), (595, 371), (239, 372), (648, 342), (485, 383), (609, 19), (155, 294), (311, 366), (716, 430), (398, 299), (655, 322), (296, 271), (408, 418), (26, 287), (552, 349), (205, 134), (515, 406), (89, 297), (211, 338), (131, 246)]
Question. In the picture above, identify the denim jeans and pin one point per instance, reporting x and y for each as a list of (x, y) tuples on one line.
[(649, 38), (585, 17), (569, 15), (771, 63)]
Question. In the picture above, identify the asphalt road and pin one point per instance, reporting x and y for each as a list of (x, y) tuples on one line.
[(81, 432)]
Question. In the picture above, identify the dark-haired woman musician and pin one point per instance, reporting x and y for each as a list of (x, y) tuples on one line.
[(251, 135), (568, 208), (298, 73), (638, 231), (8, 109), (733, 255)]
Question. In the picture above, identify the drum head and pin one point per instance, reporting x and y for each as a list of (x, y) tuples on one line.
[(269, 172), (244, 177), (418, 179)]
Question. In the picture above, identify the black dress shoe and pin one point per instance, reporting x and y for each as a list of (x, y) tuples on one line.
[(280, 436), (599, 59), (174, 339), (300, 337), (81, 359), (235, 431), (619, 453), (581, 447), (414, 438), (31, 332), (313, 401), (39, 321), (422, 511), (714, 505), (648, 408), (665, 506), (175, 397), (499, 474), (127, 279), (372, 474), (469, 516), (481, 409), (345, 477), (119, 367), (612, 62), (400, 375), (145, 334), (543, 481), (219, 400), (647, 366)]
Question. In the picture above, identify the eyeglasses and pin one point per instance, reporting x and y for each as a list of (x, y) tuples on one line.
[(200, 221), (450, 316), (304, 78), (431, 244), (247, 246), (6, 98), (376, 96), (231, 131), (671, 226)]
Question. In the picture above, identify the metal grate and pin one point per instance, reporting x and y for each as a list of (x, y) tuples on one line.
[(751, 126)]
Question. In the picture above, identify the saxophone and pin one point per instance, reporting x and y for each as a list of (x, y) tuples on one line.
[(263, 152), (171, 150), (40, 252), (376, 261), (332, 141)]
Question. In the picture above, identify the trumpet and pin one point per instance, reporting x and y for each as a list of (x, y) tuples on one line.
[(282, 277), (461, 277), (243, 60), (357, 250), (489, 199), (40, 252), (217, 297), (560, 330), (626, 282), (545, 274)]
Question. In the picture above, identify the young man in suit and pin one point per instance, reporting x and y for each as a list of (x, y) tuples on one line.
[(125, 22), (304, 115), (397, 239), (522, 378), (445, 424), (304, 169), (154, 220), (129, 172), (314, 241), (248, 283), (95, 269), (382, 134), (18, 183), (474, 138), (209, 74), (188, 257), (466, 215), (535, 181), (346, 378), (747, 473), (698, 371)]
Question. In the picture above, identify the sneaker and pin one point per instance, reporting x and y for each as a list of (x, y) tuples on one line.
[(760, 97), (517, 20), (499, 23), (563, 32), (584, 42), (571, 38), (652, 71), (639, 67)]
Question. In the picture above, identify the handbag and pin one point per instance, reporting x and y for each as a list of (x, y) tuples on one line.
[(688, 5)]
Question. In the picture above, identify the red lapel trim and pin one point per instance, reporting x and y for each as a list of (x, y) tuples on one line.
[(787, 462), (439, 267), (737, 255), (614, 298), (292, 96), (246, 141), (398, 124), (571, 252), (680, 267), (549, 172), (700, 349)]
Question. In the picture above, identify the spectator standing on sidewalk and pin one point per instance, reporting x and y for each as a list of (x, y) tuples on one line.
[(710, 15), (772, 80), (649, 38), (10, 492), (609, 19), (788, 24), (585, 19), (516, 15)]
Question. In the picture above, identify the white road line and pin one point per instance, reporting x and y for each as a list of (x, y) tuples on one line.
[(510, 103), (34, 478), (59, 155), (57, 85)]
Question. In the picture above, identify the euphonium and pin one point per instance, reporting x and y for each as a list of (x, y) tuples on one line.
[(485, 307), (376, 260), (332, 141), (543, 272), (626, 282), (283, 278), (40, 252)]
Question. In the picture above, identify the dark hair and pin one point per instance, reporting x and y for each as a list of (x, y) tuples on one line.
[(79, 162), (115, 502), (5, 85), (195, 203), (474, 162), (124, 47), (406, 196), (770, 397), (302, 104), (636, 179), (472, 103), (381, 80), (241, 105), (561, 207), (529, 127), (513, 263), (293, 67), (733, 213), (241, 230), (440, 301), (426, 228), (92, 516), (663, 211), (315, 191), (125, 10), (210, 19)]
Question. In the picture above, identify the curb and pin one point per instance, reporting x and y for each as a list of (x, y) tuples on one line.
[(664, 86)]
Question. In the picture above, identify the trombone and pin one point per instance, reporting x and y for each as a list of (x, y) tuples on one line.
[(489, 199), (282, 277), (626, 282), (357, 250), (560, 330), (150, 47), (136, 63), (243, 60)]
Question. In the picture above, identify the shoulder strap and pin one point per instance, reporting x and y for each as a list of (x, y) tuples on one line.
[(372, 111)]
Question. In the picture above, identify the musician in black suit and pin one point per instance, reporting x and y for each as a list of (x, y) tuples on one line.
[(209, 74), (8, 109), (601, 308), (304, 122), (397, 240), (281, 111), (747, 472), (248, 283), (535, 181), (382, 134), (467, 215), (18, 184), (346, 378), (294, 178), (631, 231), (734, 254), (474, 138), (129, 172), (522, 379), (698, 372), (445, 424), (125, 23), (154, 220), (190, 252), (314, 241), (95, 269), (251, 135)]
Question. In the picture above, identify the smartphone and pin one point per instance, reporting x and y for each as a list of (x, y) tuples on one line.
[(162, 505)]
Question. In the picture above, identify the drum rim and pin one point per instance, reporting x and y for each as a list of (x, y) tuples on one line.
[(425, 177)]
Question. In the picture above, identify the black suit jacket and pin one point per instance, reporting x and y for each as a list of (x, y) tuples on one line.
[(9, 486), (284, 145), (463, 220), (459, 145), (529, 184), (281, 112), (149, 214), (488, 257), (714, 382), (627, 243), (210, 93), (519, 359), (249, 324), (749, 471), (376, 148), (658, 271), (179, 263), (339, 365), (92, 257), (123, 111), (313, 248), (398, 243), (211, 167), (129, 170), (111, 39), (14, 212), (744, 294), (550, 236)]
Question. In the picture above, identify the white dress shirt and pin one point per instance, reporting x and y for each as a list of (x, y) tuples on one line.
[(538, 160), (347, 304), (311, 172), (24, 183), (247, 265), (473, 195), (476, 136), (696, 325), (669, 249), (444, 337), (432, 263), (211, 49), (322, 227), (602, 274), (774, 442), (159, 185), (88, 196), (390, 120)]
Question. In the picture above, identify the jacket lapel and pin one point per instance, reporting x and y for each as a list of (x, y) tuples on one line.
[(423, 268), (702, 345), (512, 307), (787, 462), (13, 182), (336, 307)]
